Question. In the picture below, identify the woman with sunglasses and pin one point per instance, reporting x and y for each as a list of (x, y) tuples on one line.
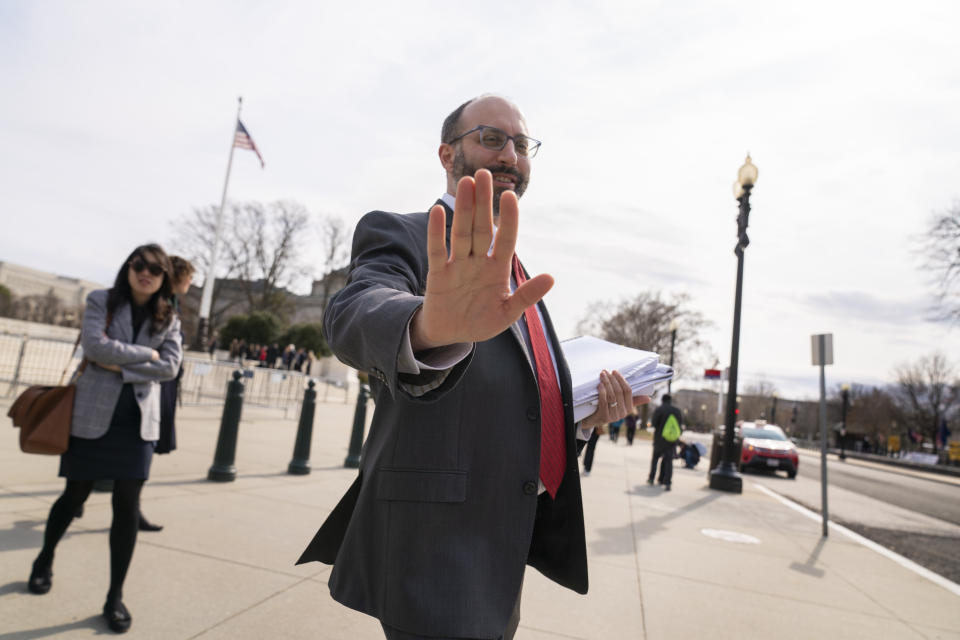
[(131, 342)]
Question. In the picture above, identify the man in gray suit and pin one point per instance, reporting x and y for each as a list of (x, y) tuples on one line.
[(469, 471)]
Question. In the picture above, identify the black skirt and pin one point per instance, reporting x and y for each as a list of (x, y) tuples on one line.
[(119, 453)]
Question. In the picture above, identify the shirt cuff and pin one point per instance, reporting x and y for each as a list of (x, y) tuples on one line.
[(428, 369), (438, 359)]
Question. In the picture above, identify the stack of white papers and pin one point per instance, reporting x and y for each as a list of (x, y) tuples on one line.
[(588, 356)]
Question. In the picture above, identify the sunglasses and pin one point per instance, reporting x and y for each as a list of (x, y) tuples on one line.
[(139, 264)]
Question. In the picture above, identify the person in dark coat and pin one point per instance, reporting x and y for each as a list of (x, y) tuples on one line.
[(590, 449), (131, 342), (170, 389), (631, 422), (469, 472), (273, 352), (663, 448)]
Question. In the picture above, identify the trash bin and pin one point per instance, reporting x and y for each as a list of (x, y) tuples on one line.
[(716, 447)]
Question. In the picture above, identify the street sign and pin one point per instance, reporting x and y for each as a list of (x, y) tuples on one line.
[(822, 351), (821, 346), (711, 374)]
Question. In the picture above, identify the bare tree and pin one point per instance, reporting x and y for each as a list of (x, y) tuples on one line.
[(941, 256), (643, 322), (262, 248), (928, 392), (872, 412), (335, 252), (757, 400)]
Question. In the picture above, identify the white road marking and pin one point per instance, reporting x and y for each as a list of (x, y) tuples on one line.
[(730, 536)]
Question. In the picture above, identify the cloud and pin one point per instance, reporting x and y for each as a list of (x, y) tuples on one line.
[(868, 308)]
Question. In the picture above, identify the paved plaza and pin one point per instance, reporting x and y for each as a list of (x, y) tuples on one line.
[(691, 563)]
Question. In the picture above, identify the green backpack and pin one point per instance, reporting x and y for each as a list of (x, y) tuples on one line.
[(671, 429)]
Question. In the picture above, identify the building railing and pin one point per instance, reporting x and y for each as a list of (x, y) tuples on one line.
[(29, 360)]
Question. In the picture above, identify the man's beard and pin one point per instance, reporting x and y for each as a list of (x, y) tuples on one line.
[(461, 168)]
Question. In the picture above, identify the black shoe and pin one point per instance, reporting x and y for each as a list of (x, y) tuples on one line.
[(146, 525), (649, 480), (666, 487), (41, 579), (117, 617)]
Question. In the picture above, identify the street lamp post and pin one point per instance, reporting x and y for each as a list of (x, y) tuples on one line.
[(673, 342), (845, 398), (725, 477), (773, 411)]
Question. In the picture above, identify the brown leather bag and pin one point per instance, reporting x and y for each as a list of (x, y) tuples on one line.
[(44, 415)]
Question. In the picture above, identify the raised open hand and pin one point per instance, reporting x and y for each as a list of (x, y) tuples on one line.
[(468, 297)]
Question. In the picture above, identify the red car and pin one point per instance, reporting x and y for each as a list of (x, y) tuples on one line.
[(766, 447)]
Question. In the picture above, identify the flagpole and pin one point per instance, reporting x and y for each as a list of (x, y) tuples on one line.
[(206, 301)]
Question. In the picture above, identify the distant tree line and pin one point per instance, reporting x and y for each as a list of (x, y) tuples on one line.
[(265, 249), (924, 400)]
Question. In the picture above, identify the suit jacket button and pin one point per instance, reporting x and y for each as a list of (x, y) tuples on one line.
[(530, 488), (533, 413)]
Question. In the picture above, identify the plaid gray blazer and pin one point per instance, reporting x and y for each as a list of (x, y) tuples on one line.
[(99, 389)]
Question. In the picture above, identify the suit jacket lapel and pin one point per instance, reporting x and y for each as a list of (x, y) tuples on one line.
[(121, 327)]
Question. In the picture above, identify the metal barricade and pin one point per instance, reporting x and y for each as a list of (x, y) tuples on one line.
[(28, 360), (205, 381)]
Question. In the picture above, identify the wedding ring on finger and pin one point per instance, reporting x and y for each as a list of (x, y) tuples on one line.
[(612, 405)]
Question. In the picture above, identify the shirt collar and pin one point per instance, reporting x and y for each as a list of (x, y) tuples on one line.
[(449, 200)]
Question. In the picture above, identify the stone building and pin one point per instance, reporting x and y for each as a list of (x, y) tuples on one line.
[(41, 296), (230, 298)]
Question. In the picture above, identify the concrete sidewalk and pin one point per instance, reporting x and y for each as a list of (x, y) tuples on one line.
[(685, 564)]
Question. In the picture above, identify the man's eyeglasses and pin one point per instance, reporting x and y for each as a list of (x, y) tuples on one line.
[(139, 264), (496, 139)]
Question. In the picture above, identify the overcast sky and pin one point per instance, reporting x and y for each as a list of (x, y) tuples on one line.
[(117, 117)]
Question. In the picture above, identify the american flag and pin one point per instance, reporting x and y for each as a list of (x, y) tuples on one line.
[(242, 140)]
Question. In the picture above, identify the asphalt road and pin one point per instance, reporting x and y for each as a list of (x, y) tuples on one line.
[(930, 494), (913, 513)]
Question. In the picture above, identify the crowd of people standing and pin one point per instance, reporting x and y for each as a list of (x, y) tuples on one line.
[(271, 356)]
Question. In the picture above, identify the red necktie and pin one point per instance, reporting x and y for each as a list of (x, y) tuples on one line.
[(553, 446)]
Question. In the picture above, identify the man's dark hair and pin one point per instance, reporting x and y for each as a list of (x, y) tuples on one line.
[(450, 124), (666, 398)]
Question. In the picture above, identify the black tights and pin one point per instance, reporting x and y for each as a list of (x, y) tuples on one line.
[(123, 530)]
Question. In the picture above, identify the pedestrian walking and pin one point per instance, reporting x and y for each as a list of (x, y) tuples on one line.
[(615, 430), (131, 342), (590, 449), (631, 425), (665, 419)]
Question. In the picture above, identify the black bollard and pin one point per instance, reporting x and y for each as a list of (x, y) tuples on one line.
[(223, 469), (300, 465), (359, 421)]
